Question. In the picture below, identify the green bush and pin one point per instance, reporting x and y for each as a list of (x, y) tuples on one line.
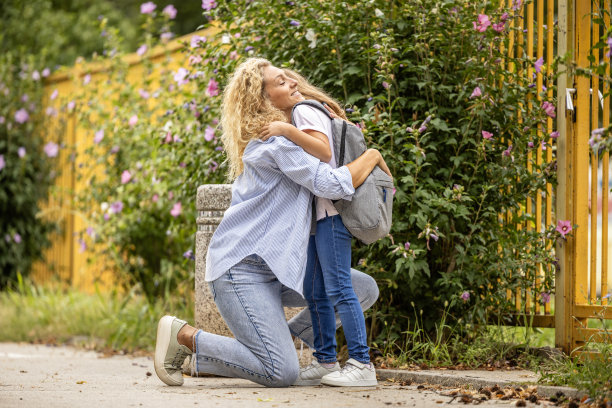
[(26, 166), (432, 88)]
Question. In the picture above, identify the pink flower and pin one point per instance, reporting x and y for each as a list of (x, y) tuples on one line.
[(82, 245), (168, 138), (544, 297), (21, 152), (233, 55), (126, 176), (465, 296), (504, 17), (86, 79), (2, 162), (564, 227), (507, 152), (196, 40), (516, 4), (538, 65), (549, 109), (143, 94), (70, 106), (54, 95), (180, 76), (133, 120), (51, 111), (51, 149), (543, 145), (176, 210), (209, 4), (46, 72), (195, 59), (499, 27), (147, 8), (213, 166), (476, 92), (487, 135), (407, 246), (385, 85), (209, 133), (170, 195), (166, 36), (170, 11), (21, 116), (155, 198), (17, 238), (482, 24), (213, 88), (141, 50), (554, 134), (116, 207)]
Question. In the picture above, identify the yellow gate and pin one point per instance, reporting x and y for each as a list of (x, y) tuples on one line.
[(581, 284)]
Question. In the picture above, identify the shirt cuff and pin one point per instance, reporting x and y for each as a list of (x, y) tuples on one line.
[(346, 182)]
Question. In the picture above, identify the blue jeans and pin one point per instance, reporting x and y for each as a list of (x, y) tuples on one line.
[(251, 300), (328, 286)]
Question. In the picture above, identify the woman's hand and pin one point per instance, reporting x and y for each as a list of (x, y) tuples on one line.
[(276, 128), (383, 165), (335, 116)]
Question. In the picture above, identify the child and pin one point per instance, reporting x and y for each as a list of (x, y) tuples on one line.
[(327, 283)]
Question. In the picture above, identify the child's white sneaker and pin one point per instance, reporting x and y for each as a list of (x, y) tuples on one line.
[(312, 374), (353, 374)]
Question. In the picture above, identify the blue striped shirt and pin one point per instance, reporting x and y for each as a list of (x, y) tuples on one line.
[(271, 209)]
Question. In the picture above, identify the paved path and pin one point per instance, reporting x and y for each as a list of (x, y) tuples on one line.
[(47, 376)]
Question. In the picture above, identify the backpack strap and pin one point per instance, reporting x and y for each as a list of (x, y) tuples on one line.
[(342, 144), (312, 103)]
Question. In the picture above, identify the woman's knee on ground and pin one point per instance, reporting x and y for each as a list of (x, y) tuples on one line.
[(284, 374)]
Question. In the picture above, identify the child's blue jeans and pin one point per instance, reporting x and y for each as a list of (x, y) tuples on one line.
[(327, 285)]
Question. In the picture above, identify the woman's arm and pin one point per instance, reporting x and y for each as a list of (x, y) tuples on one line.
[(361, 167), (312, 141)]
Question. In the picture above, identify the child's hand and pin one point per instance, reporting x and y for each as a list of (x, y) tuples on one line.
[(276, 128)]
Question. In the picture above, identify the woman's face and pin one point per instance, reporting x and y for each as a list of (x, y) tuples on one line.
[(281, 89)]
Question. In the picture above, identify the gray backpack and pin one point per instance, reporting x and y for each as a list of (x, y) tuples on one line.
[(368, 215)]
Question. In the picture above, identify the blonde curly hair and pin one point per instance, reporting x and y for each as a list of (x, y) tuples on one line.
[(246, 108)]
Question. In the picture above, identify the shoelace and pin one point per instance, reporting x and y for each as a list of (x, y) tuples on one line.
[(179, 359)]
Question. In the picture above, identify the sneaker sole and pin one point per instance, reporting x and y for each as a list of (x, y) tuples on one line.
[(164, 329), (360, 383), (306, 383)]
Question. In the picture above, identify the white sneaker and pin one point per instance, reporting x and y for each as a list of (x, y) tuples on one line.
[(354, 374), (312, 374)]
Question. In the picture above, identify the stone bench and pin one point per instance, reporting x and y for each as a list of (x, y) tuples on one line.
[(212, 201)]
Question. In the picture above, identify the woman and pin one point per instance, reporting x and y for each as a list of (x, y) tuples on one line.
[(257, 256)]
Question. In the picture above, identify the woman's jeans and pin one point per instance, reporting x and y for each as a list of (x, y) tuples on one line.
[(251, 300), (328, 286)]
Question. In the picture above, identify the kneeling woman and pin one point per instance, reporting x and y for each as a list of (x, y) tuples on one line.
[(256, 259)]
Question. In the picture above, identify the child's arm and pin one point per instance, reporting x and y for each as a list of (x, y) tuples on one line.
[(313, 142)]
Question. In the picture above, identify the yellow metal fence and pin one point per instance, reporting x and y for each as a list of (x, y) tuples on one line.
[(547, 28)]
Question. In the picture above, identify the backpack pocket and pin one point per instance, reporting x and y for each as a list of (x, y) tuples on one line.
[(368, 215)]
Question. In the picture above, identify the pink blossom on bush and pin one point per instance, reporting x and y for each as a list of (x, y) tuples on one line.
[(544, 297), (141, 50), (209, 133), (476, 92), (51, 149), (21, 152), (549, 109), (385, 85), (46, 72), (147, 8), (170, 11), (180, 76), (70, 106), (465, 296), (143, 94), (21, 116), (554, 134), (213, 88), (176, 210), (209, 4), (538, 65), (196, 40), (564, 227), (126, 176), (499, 27), (53, 95), (487, 135), (17, 238), (233, 55), (407, 246), (195, 59), (116, 207), (2, 162), (86, 79), (133, 120), (482, 23), (155, 198)]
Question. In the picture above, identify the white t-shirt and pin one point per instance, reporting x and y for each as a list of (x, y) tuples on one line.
[(309, 118)]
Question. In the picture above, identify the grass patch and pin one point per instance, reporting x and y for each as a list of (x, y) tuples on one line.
[(110, 321)]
